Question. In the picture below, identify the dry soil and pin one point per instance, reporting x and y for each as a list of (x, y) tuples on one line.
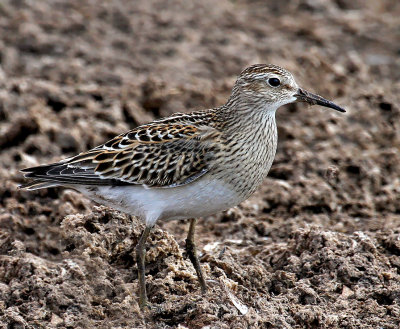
[(318, 246)]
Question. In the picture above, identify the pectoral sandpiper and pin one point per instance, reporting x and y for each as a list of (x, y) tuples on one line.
[(187, 165)]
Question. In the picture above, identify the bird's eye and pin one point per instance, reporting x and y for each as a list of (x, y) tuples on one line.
[(274, 82)]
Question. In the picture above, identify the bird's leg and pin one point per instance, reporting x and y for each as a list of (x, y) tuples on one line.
[(140, 258), (191, 251)]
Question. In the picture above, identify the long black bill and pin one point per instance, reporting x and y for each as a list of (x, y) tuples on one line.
[(312, 99)]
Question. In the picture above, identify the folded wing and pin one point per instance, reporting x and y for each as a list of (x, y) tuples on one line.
[(161, 154)]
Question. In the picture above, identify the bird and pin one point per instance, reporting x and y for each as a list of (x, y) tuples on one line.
[(187, 165)]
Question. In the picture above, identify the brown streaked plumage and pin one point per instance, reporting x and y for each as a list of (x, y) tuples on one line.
[(186, 165), (165, 153)]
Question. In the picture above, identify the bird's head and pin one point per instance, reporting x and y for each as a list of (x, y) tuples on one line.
[(271, 86)]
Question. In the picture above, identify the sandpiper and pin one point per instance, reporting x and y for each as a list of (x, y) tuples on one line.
[(187, 165)]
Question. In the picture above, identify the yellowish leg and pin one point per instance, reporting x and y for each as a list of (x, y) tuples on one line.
[(191, 251), (140, 258)]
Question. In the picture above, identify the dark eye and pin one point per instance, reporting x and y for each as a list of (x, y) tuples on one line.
[(274, 82)]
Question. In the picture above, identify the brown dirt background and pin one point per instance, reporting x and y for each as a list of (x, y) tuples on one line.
[(318, 246)]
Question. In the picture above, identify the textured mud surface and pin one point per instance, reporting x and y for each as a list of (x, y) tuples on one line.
[(318, 246)]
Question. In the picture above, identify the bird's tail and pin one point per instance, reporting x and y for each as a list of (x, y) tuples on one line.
[(38, 184)]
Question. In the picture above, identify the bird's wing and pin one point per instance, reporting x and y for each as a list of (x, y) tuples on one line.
[(165, 153)]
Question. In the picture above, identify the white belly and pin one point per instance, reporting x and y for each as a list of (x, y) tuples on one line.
[(200, 198)]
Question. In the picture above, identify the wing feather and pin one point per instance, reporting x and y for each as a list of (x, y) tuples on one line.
[(161, 154)]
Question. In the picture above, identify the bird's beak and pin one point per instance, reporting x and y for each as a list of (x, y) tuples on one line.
[(312, 99)]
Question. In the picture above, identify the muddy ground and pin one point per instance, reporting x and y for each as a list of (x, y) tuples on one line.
[(318, 246)]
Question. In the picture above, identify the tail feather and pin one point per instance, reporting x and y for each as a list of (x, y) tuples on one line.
[(62, 174), (37, 184), (41, 177)]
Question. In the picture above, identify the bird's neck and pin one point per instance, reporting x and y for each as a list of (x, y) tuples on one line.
[(249, 118), (252, 125), (250, 136)]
